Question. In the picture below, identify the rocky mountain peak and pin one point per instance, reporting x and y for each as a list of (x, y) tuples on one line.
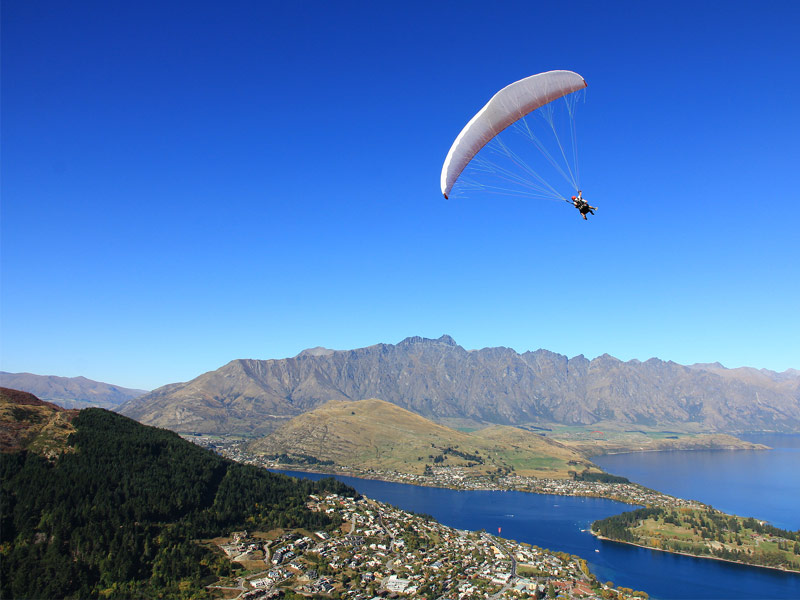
[(707, 366), (316, 351), (415, 340)]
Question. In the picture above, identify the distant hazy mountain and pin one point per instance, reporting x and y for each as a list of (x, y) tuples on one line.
[(788, 380), (442, 381), (69, 392)]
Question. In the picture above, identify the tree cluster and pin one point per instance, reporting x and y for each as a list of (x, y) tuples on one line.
[(599, 477), (476, 458), (617, 527), (298, 459)]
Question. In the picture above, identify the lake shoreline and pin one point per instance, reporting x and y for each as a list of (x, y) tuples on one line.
[(598, 536), (757, 448), (562, 524), (727, 560), (630, 493), (758, 484)]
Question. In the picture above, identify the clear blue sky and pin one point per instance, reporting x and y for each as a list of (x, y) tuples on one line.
[(185, 183)]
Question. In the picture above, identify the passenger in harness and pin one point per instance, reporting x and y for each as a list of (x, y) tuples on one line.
[(582, 205)]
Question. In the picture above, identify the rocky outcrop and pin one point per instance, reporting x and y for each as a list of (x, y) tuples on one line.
[(28, 423)]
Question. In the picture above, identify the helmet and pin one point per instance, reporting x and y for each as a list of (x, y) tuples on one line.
[(574, 198)]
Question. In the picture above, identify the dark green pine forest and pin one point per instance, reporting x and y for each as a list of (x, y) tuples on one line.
[(119, 512)]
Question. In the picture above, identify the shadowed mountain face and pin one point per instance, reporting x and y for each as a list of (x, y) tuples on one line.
[(69, 392), (442, 381)]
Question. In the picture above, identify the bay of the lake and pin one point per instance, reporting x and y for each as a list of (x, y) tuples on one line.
[(562, 522), (764, 484)]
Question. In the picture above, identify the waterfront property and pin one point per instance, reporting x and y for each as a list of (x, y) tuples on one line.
[(381, 550)]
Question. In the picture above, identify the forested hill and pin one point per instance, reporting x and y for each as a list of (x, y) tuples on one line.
[(116, 514)]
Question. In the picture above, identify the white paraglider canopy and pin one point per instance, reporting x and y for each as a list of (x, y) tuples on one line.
[(506, 107)]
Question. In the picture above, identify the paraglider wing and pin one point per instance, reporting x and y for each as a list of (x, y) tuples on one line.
[(506, 107)]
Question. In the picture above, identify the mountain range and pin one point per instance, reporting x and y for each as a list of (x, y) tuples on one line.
[(440, 380), (69, 392)]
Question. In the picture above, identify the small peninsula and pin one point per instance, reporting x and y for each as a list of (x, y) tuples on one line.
[(706, 533)]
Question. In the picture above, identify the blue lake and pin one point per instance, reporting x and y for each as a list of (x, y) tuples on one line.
[(751, 483), (560, 523)]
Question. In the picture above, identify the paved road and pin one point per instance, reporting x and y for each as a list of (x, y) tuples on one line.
[(513, 560)]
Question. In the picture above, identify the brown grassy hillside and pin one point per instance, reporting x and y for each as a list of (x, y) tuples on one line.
[(380, 435)]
